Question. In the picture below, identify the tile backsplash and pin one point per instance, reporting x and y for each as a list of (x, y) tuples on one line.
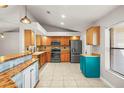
[(48, 48)]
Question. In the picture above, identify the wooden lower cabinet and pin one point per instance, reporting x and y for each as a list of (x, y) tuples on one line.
[(65, 57), (48, 56), (43, 58)]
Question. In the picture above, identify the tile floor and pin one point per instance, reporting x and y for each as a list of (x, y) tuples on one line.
[(66, 75)]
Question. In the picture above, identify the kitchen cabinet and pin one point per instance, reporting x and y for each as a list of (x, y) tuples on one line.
[(18, 80), (55, 38), (30, 76), (48, 41), (48, 57), (38, 40), (12, 63), (45, 40), (93, 36), (90, 66), (28, 38), (65, 40), (65, 57), (43, 58), (75, 38)]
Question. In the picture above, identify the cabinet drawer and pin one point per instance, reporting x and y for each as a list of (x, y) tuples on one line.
[(18, 61), (5, 66), (26, 58)]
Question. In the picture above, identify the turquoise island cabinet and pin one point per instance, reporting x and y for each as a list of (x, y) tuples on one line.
[(90, 65)]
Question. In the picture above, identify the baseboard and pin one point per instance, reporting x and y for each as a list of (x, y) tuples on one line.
[(104, 80), (44, 68), (36, 84)]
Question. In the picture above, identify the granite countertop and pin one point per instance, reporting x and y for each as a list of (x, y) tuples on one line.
[(13, 56), (5, 77), (90, 55), (38, 53)]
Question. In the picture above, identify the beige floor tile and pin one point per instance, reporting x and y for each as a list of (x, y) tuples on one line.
[(57, 84), (66, 75)]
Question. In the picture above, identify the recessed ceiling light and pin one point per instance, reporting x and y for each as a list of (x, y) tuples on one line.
[(63, 16), (62, 23)]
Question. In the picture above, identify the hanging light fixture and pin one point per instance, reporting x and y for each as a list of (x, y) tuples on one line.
[(1, 35), (3, 6), (25, 19)]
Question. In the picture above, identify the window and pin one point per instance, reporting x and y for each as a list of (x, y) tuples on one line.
[(117, 49)]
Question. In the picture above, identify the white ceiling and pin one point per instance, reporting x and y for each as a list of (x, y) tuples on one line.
[(77, 16), (10, 17)]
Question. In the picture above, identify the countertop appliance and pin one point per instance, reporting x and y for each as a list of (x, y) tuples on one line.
[(76, 50)]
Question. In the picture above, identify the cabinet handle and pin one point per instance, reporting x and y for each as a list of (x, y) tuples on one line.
[(31, 70)]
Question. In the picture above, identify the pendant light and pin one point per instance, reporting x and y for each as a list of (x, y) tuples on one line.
[(25, 19), (1, 35), (3, 6)]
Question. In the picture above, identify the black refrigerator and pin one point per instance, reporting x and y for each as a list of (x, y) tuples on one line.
[(76, 50)]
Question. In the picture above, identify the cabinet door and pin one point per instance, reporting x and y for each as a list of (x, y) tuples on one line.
[(32, 76), (38, 40), (93, 36), (67, 40), (26, 78), (68, 57), (36, 71), (28, 37), (32, 38), (18, 80), (97, 31), (48, 41), (48, 56), (63, 57), (62, 40), (89, 36)]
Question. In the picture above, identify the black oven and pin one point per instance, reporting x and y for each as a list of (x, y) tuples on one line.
[(55, 55)]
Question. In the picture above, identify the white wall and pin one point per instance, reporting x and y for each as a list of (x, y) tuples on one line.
[(55, 31), (10, 17), (107, 21), (9, 44)]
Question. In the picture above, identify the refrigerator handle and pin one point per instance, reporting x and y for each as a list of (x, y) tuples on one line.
[(73, 50)]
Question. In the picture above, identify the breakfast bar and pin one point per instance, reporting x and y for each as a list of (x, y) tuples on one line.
[(18, 71)]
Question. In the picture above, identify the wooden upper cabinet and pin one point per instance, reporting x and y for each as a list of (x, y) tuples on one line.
[(48, 41), (29, 38), (93, 36), (38, 40), (75, 38), (65, 40), (45, 40), (55, 38)]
